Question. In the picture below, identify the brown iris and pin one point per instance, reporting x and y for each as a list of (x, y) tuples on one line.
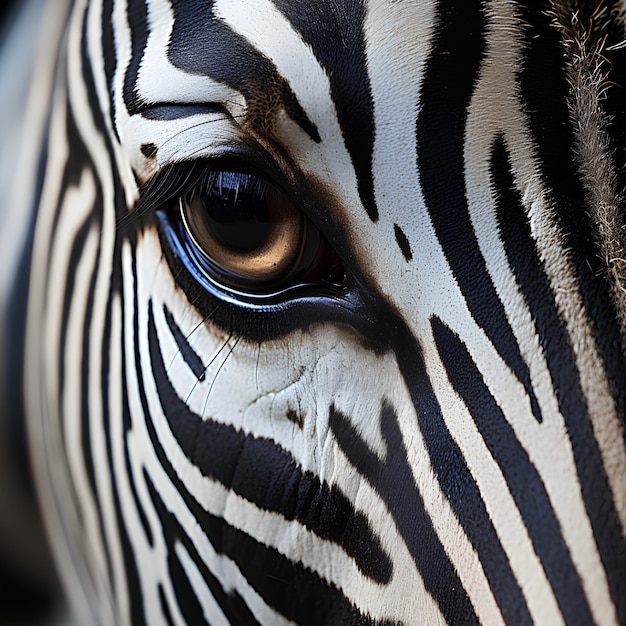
[(247, 228)]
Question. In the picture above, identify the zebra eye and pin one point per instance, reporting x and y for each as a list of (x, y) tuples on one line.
[(248, 235)]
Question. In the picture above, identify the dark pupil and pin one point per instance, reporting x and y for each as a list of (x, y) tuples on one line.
[(236, 211)]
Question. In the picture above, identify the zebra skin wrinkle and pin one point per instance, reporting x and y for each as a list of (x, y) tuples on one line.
[(315, 312)]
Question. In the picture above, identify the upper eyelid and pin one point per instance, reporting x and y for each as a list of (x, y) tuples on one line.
[(176, 179), (170, 181)]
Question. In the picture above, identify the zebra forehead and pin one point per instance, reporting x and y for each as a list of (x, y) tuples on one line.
[(327, 113)]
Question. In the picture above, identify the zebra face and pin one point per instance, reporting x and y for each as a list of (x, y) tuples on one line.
[(351, 348)]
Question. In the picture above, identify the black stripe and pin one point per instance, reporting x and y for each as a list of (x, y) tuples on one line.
[(446, 92), (77, 148), (131, 571), (525, 262), (188, 353), (75, 166), (288, 585), (290, 588), (334, 31), (131, 574), (71, 179), (186, 599), (137, 13), (110, 61), (266, 474), (453, 475), (392, 478), (165, 609), (128, 424), (403, 242), (523, 480), (149, 150), (545, 93), (80, 156), (62, 364), (175, 111), (85, 374), (201, 44), (95, 108), (95, 222)]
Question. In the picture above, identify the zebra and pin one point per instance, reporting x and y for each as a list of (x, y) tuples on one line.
[(318, 308)]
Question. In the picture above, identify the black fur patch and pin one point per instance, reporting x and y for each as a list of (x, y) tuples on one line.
[(149, 150), (403, 242)]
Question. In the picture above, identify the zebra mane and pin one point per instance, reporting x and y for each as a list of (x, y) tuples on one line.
[(589, 37)]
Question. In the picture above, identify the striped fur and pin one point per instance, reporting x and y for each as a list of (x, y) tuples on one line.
[(442, 441)]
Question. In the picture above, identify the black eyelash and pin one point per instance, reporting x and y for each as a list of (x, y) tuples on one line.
[(172, 182), (163, 188)]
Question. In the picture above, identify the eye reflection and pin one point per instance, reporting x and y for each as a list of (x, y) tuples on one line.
[(247, 228)]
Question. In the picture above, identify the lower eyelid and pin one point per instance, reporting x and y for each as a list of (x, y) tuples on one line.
[(259, 317)]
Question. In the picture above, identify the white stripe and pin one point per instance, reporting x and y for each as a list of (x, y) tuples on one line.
[(272, 35), (117, 598), (88, 537), (493, 111), (260, 412), (159, 81), (118, 469), (210, 608), (547, 443), (567, 500), (267, 30), (69, 420), (398, 37), (83, 116), (494, 492), (44, 428), (96, 64), (138, 447)]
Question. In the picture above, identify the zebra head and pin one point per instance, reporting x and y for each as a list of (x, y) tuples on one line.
[(326, 321)]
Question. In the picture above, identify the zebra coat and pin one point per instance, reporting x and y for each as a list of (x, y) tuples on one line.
[(323, 309)]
